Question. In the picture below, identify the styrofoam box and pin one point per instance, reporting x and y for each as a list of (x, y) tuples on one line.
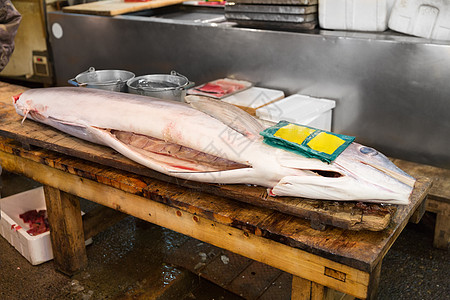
[(254, 97), (36, 249), (300, 109), (360, 15), (424, 18)]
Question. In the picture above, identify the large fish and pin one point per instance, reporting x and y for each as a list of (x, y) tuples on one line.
[(211, 141)]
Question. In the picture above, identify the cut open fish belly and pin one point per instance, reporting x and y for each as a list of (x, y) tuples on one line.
[(175, 157), (212, 141)]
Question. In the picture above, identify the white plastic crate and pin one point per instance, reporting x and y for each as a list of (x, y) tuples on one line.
[(300, 109), (360, 15), (424, 18), (36, 249)]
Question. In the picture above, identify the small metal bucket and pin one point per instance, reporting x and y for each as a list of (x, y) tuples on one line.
[(110, 80), (163, 86)]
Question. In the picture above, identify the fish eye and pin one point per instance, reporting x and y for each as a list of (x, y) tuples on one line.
[(368, 151)]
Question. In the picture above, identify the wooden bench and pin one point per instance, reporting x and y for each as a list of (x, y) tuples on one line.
[(438, 198), (321, 262)]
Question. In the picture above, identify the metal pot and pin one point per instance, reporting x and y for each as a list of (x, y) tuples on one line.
[(111, 80), (171, 87)]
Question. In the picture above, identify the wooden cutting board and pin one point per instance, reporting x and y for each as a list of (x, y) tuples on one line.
[(117, 7), (278, 2)]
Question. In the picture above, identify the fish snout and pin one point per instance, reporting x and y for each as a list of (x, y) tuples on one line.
[(16, 97), (343, 188)]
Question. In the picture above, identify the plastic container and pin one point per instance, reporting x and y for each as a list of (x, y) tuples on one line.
[(300, 109), (36, 249), (359, 15), (424, 18)]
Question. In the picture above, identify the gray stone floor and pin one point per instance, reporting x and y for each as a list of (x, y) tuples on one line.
[(128, 260)]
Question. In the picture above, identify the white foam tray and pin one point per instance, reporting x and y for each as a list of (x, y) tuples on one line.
[(254, 97), (36, 249)]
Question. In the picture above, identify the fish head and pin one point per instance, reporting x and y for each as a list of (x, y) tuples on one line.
[(359, 173)]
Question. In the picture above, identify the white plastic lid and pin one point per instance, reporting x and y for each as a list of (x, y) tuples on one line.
[(295, 108), (254, 97)]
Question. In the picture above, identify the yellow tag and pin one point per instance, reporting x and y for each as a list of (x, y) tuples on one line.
[(294, 133), (326, 143)]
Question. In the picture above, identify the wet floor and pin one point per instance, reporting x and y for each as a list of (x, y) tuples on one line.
[(128, 261)]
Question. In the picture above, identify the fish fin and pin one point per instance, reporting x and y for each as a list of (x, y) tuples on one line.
[(228, 114)]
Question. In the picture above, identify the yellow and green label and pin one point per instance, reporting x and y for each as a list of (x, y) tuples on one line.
[(306, 141)]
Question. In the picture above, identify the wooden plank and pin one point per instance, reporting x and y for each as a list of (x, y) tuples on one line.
[(301, 288), (278, 2), (224, 268), (440, 177), (418, 214), (8, 90), (347, 215), (362, 250), (117, 7), (442, 231), (442, 227), (279, 289), (66, 231), (374, 282), (317, 291), (257, 275), (331, 294), (194, 255), (283, 257), (438, 199)]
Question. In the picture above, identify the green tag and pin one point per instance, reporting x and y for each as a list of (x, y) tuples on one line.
[(306, 141)]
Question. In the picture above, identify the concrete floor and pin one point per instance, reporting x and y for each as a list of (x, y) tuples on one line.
[(127, 261)]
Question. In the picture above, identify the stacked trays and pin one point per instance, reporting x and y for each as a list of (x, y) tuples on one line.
[(273, 14)]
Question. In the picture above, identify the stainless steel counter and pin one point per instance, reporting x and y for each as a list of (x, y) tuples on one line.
[(392, 91)]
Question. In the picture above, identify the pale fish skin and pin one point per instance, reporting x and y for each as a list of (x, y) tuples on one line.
[(218, 129)]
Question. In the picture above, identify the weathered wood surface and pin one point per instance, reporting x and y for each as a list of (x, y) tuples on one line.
[(347, 215), (442, 228), (214, 228), (362, 250), (440, 177), (66, 233), (8, 90), (438, 198)]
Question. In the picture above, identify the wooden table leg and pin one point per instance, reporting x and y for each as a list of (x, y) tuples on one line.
[(442, 227), (420, 211), (442, 230), (66, 231), (374, 282), (303, 289)]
